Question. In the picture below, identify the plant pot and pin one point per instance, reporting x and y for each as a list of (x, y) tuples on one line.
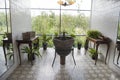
[(94, 57), (31, 57), (79, 46), (44, 46), (86, 44), (36, 45)]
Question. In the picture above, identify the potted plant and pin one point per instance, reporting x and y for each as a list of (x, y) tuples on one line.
[(79, 44), (56, 34), (93, 53), (73, 35), (31, 55), (10, 52), (93, 34), (45, 40)]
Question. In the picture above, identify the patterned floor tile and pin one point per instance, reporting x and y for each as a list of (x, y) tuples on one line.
[(83, 70)]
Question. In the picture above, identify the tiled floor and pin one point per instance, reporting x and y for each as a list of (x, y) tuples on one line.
[(3, 67), (43, 70)]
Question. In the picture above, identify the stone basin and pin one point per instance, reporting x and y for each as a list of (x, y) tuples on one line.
[(63, 46)]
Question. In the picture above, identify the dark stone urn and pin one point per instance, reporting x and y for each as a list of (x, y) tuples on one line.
[(63, 46)]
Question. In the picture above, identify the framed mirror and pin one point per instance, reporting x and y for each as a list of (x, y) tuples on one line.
[(116, 60), (6, 47)]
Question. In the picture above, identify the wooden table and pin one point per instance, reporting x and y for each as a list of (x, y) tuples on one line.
[(97, 42), (6, 42), (29, 42)]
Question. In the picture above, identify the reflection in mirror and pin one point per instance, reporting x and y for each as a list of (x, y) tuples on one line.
[(117, 47), (6, 47)]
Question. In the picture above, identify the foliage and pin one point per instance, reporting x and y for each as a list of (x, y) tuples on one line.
[(93, 53), (46, 38), (56, 34), (93, 33), (3, 25), (79, 41), (49, 23), (28, 51), (73, 35), (10, 53)]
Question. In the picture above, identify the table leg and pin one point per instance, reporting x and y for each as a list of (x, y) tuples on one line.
[(62, 60), (86, 45), (73, 56), (5, 54), (19, 52), (97, 53), (114, 53), (118, 57), (30, 45), (108, 46), (54, 59)]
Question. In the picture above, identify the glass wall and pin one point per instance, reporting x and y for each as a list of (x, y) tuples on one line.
[(6, 55), (49, 17), (4, 17)]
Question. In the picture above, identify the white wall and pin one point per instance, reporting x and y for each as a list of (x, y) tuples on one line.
[(20, 22), (105, 19)]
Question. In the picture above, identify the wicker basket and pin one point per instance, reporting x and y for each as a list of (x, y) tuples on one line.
[(28, 35)]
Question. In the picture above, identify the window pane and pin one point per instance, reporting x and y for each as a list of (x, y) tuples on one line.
[(8, 21), (7, 3), (45, 21), (2, 3), (75, 22), (3, 27), (44, 4)]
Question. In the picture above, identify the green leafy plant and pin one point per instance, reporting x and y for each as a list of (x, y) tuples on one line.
[(93, 53), (93, 34), (10, 53), (45, 40), (73, 35), (79, 43), (31, 55), (56, 34)]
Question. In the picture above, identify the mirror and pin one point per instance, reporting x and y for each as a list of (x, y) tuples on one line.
[(6, 47), (116, 60)]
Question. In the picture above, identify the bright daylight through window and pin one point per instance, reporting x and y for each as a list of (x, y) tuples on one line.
[(75, 18)]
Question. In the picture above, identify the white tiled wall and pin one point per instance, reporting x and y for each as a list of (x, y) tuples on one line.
[(20, 22), (20, 19), (105, 19)]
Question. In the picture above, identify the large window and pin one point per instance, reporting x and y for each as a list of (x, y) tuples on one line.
[(4, 18), (74, 18), (49, 17)]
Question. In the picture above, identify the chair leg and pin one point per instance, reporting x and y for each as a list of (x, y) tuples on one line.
[(73, 56), (118, 57), (54, 59)]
